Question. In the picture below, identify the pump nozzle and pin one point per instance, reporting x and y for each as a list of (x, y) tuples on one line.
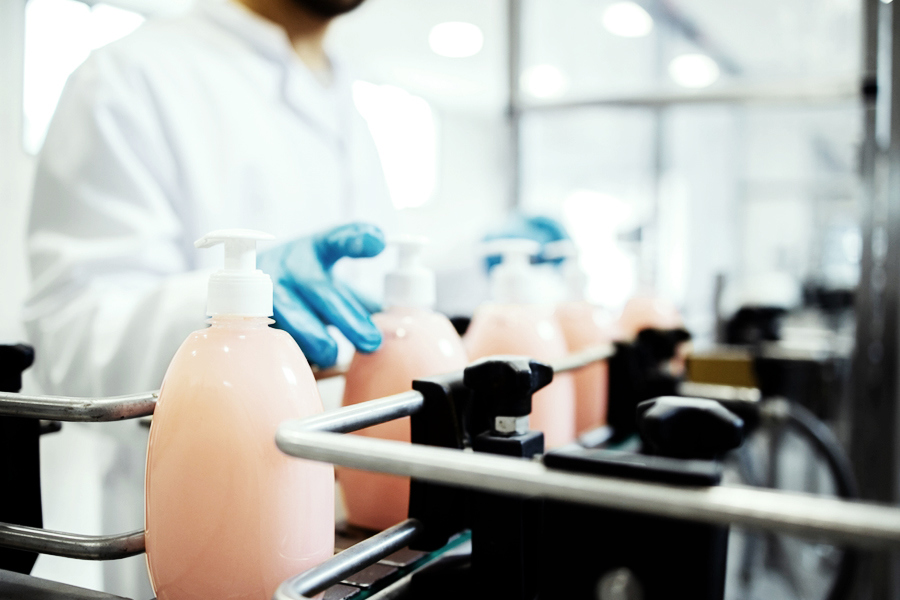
[(240, 288), (410, 284), (513, 280)]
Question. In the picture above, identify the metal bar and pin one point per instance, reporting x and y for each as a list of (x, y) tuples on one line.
[(582, 359), (351, 560), (791, 93), (71, 545), (62, 408), (365, 414), (513, 106), (800, 514)]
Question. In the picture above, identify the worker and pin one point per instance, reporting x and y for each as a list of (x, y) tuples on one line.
[(232, 115)]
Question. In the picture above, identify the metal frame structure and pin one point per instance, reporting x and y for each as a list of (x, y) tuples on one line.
[(318, 438), (873, 411)]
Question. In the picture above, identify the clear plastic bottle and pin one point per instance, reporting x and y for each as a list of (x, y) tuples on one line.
[(227, 514), (518, 322), (416, 342), (584, 326)]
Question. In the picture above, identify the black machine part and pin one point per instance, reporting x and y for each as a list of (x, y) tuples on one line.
[(637, 373), (688, 427), (20, 467)]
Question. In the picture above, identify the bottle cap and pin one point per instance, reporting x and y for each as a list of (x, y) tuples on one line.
[(410, 284), (575, 278), (240, 288), (514, 281)]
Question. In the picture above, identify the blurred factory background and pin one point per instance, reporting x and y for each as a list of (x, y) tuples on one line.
[(714, 154), (682, 140)]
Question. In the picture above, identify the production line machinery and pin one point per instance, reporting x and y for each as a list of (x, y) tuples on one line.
[(494, 516)]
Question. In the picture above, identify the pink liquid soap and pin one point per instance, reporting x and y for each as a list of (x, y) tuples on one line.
[(416, 343), (529, 330), (587, 326), (228, 515)]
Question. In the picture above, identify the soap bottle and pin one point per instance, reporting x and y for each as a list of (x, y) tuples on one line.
[(584, 326), (645, 311), (416, 342), (518, 321), (227, 514)]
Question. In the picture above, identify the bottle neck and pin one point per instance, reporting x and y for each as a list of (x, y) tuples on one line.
[(239, 322)]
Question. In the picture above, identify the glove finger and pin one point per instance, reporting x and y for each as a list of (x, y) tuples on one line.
[(370, 305), (353, 240), (296, 318), (344, 312)]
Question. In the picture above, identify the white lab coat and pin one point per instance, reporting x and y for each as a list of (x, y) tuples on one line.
[(186, 126), (202, 122)]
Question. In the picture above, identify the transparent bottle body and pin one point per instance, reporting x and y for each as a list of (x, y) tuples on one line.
[(586, 326), (529, 330), (416, 343), (228, 514)]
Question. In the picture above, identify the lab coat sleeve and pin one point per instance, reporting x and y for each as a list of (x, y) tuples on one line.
[(113, 288)]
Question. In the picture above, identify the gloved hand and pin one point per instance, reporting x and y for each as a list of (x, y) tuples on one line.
[(538, 228), (307, 297)]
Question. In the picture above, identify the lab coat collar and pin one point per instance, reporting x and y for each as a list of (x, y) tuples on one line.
[(320, 105)]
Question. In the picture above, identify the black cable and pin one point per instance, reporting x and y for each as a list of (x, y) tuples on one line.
[(824, 440)]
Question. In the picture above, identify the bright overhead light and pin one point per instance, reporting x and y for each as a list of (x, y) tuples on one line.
[(627, 19), (456, 39), (694, 70), (544, 81), (405, 133)]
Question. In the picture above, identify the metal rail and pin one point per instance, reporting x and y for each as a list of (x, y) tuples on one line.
[(578, 360), (855, 523), (365, 414), (71, 545), (351, 560), (63, 408), (809, 92)]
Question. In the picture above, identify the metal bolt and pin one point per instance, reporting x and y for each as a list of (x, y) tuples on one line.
[(511, 425)]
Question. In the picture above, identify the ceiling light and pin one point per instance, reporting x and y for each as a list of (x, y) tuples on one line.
[(627, 19), (693, 70), (543, 81), (456, 39)]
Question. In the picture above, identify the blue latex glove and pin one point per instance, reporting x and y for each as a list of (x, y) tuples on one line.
[(307, 296), (538, 228)]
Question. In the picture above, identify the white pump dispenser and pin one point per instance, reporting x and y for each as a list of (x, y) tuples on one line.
[(514, 280), (240, 288), (573, 275), (410, 285)]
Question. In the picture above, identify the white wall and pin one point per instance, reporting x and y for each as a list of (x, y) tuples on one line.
[(15, 171)]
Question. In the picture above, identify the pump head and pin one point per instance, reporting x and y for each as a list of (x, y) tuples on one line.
[(410, 284), (513, 281), (239, 288), (574, 276)]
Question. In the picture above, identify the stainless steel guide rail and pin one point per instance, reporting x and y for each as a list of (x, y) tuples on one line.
[(85, 410), (578, 360), (856, 523), (317, 438), (71, 545)]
